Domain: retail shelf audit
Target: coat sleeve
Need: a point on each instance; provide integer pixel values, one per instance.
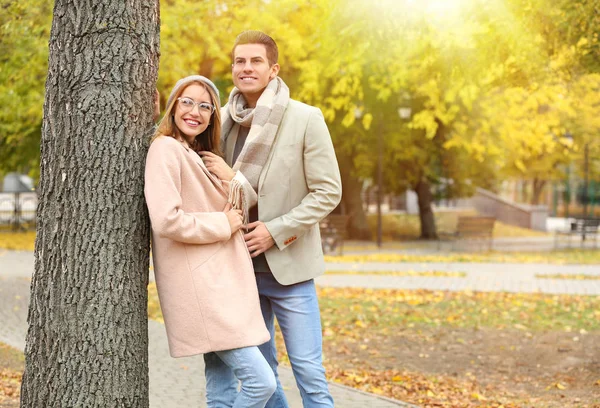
(162, 189)
(324, 183)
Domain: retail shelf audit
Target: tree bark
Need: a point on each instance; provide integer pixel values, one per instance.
(424, 196)
(538, 187)
(87, 342)
(358, 227)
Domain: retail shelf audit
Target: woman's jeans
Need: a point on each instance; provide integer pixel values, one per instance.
(223, 369)
(297, 311)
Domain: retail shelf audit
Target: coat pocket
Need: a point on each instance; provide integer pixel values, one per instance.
(227, 274)
(198, 255)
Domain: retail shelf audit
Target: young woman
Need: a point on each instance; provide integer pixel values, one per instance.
(203, 270)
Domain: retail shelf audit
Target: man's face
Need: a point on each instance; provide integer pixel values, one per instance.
(251, 70)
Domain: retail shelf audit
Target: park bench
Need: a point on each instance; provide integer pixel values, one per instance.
(472, 228)
(586, 228)
(333, 230)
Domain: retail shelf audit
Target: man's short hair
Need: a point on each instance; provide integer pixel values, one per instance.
(258, 37)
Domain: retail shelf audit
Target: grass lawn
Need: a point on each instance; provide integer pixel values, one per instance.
(399, 227)
(460, 349)
(11, 369)
(465, 349)
(18, 241)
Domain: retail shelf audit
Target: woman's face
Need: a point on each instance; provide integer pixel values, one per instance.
(193, 111)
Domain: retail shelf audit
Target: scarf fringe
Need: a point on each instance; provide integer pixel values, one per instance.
(237, 199)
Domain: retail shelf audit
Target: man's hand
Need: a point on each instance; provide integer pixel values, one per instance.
(259, 240)
(217, 166)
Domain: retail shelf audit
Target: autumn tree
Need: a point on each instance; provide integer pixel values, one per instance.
(87, 339)
(24, 32)
(539, 110)
(489, 85)
(493, 86)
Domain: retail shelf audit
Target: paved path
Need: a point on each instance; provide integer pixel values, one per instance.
(481, 277)
(502, 244)
(484, 277)
(172, 381)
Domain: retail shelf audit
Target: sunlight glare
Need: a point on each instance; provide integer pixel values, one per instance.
(443, 6)
(436, 8)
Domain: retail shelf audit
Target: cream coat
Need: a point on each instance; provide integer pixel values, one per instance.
(204, 275)
(299, 186)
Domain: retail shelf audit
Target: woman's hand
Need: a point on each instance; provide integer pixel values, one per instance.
(234, 217)
(217, 166)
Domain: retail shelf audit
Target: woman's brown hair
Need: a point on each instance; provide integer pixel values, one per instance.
(210, 139)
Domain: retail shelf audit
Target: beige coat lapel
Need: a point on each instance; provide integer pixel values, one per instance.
(215, 180)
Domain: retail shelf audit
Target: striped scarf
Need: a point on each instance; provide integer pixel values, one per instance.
(264, 120)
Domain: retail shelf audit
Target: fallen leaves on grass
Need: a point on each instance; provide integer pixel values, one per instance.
(10, 385)
(383, 309)
(17, 241)
(354, 319)
(416, 388)
(436, 274)
(557, 385)
(11, 370)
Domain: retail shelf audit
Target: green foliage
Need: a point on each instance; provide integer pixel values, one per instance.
(24, 33)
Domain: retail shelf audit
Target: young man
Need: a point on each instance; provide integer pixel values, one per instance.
(284, 150)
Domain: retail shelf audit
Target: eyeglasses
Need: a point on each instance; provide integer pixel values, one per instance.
(187, 104)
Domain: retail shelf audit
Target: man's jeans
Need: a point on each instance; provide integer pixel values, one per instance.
(297, 311)
(250, 367)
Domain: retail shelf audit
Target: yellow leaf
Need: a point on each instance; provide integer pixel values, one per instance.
(430, 393)
(557, 386)
(582, 42)
(376, 390)
(366, 121)
(478, 396)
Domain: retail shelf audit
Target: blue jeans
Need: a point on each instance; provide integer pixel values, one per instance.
(223, 369)
(297, 311)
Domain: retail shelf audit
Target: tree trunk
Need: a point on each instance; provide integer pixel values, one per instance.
(206, 67)
(428, 229)
(87, 343)
(358, 227)
(538, 188)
